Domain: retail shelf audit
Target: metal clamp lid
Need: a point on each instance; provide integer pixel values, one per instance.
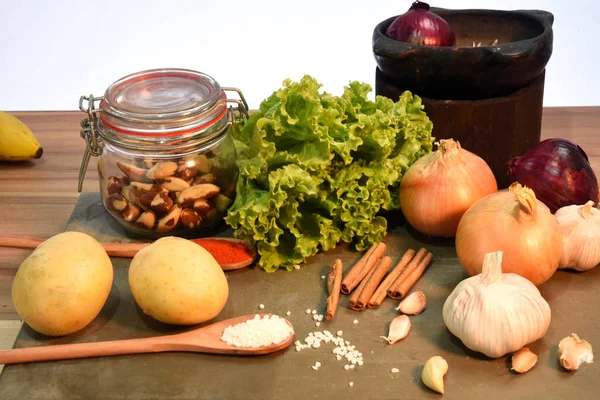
(88, 132)
(159, 106)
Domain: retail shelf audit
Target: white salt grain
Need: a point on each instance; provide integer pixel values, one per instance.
(317, 323)
(307, 311)
(339, 333)
(288, 313)
(395, 370)
(261, 306)
(314, 312)
(296, 266)
(322, 276)
(258, 332)
(355, 321)
(342, 350)
(350, 384)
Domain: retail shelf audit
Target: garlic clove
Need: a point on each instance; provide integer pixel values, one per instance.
(523, 360)
(572, 352)
(399, 328)
(413, 304)
(433, 373)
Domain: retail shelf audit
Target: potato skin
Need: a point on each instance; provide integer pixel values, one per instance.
(62, 286)
(178, 282)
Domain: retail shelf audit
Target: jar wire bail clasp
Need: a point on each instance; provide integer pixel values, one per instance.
(241, 104)
(89, 129)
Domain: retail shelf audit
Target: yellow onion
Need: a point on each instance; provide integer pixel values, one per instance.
(520, 226)
(439, 187)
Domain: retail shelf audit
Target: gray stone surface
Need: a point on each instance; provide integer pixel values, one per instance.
(288, 374)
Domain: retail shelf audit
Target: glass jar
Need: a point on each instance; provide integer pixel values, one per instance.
(166, 161)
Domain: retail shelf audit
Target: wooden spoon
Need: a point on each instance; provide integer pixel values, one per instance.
(126, 250)
(201, 340)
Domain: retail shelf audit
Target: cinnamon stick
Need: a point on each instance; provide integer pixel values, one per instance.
(353, 300)
(382, 268)
(404, 286)
(381, 292)
(362, 267)
(412, 265)
(334, 283)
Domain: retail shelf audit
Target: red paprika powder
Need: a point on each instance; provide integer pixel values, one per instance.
(225, 252)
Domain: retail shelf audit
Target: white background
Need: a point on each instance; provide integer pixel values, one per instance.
(52, 52)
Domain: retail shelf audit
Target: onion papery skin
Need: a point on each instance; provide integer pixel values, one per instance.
(531, 244)
(421, 27)
(559, 173)
(439, 187)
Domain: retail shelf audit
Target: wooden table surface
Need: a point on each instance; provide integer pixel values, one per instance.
(38, 197)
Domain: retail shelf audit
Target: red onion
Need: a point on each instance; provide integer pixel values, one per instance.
(420, 26)
(559, 173)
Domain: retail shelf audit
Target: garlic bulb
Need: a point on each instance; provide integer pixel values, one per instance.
(580, 226)
(495, 313)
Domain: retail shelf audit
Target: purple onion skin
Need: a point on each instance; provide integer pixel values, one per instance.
(422, 27)
(559, 173)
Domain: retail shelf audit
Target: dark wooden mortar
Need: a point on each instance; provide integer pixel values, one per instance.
(490, 97)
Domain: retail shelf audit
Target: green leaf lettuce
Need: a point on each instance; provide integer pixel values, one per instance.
(316, 169)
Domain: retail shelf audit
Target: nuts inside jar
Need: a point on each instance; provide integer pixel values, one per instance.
(162, 195)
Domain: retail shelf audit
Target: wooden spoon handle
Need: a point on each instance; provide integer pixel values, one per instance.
(127, 250)
(83, 350)
(23, 242)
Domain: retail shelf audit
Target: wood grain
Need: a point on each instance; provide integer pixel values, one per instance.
(38, 197)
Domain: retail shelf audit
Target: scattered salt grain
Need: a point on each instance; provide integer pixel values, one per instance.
(315, 317)
(307, 311)
(258, 332)
(342, 350)
(296, 266)
(288, 313)
(339, 333)
(261, 306)
(394, 370)
(317, 323)
(322, 276)
(355, 321)
(350, 384)
(313, 312)
(346, 367)
(320, 317)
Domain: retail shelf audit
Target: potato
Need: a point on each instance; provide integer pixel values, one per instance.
(176, 281)
(62, 286)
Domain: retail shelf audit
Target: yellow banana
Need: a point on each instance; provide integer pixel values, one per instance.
(17, 142)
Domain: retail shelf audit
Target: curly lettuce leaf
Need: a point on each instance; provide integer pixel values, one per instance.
(316, 169)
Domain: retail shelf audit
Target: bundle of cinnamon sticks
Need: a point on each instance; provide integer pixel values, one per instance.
(372, 279)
